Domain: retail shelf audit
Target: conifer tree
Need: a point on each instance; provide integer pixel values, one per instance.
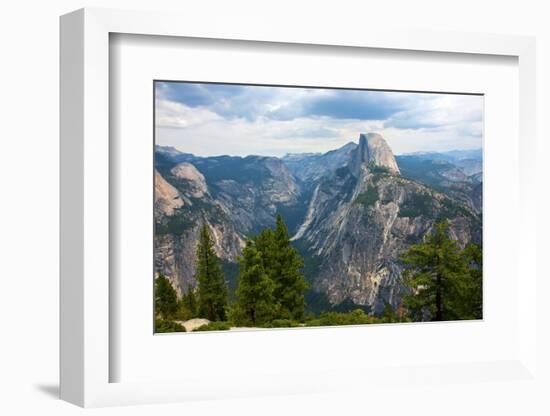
(166, 298)
(389, 313)
(254, 304)
(189, 301)
(212, 292)
(474, 260)
(438, 277)
(285, 271)
(265, 244)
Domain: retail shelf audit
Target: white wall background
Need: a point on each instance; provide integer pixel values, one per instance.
(29, 207)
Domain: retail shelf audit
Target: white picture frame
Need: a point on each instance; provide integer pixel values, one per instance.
(85, 211)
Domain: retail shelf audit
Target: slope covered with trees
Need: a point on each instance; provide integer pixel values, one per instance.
(444, 283)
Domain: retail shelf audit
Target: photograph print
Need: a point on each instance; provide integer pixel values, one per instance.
(295, 207)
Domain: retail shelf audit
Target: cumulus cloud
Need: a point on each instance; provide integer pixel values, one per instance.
(211, 119)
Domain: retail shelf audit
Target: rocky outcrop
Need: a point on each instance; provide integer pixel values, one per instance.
(181, 208)
(175, 253)
(372, 150)
(195, 180)
(167, 197)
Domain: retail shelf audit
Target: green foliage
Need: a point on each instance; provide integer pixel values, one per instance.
(166, 298)
(189, 300)
(356, 317)
(369, 197)
(162, 325)
(182, 313)
(284, 269)
(212, 289)
(389, 315)
(318, 302)
(214, 326)
(424, 204)
(440, 279)
(175, 224)
(450, 209)
(282, 323)
(418, 204)
(265, 244)
(271, 284)
(474, 259)
(379, 169)
(255, 303)
(188, 307)
(231, 272)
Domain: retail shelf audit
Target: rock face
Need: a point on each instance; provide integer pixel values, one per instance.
(187, 172)
(251, 190)
(358, 229)
(361, 219)
(167, 198)
(352, 211)
(310, 167)
(373, 151)
(181, 208)
(175, 253)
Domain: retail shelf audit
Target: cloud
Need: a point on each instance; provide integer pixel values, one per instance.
(342, 104)
(176, 115)
(210, 119)
(438, 110)
(282, 103)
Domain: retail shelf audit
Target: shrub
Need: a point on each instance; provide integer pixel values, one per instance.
(368, 198)
(356, 317)
(176, 224)
(162, 325)
(379, 169)
(214, 326)
(282, 323)
(166, 298)
(418, 204)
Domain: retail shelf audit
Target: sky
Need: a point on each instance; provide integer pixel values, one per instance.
(240, 120)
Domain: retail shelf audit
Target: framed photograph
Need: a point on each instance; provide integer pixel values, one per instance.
(274, 210)
(334, 204)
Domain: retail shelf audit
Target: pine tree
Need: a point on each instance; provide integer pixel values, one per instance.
(212, 292)
(254, 304)
(189, 301)
(438, 277)
(388, 314)
(265, 244)
(474, 259)
(285, 270)
(166, 298)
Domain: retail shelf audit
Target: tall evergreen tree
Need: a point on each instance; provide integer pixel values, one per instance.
(285, 270)
(166, 298)
(189, 301)
(389, 315)
(474, 259)
(254, 304)
(438, 276)
(265, 244)
(212, 293)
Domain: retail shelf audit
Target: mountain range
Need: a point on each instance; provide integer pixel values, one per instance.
(352, 212)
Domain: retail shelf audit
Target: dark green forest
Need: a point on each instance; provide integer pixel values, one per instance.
(443, 281)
